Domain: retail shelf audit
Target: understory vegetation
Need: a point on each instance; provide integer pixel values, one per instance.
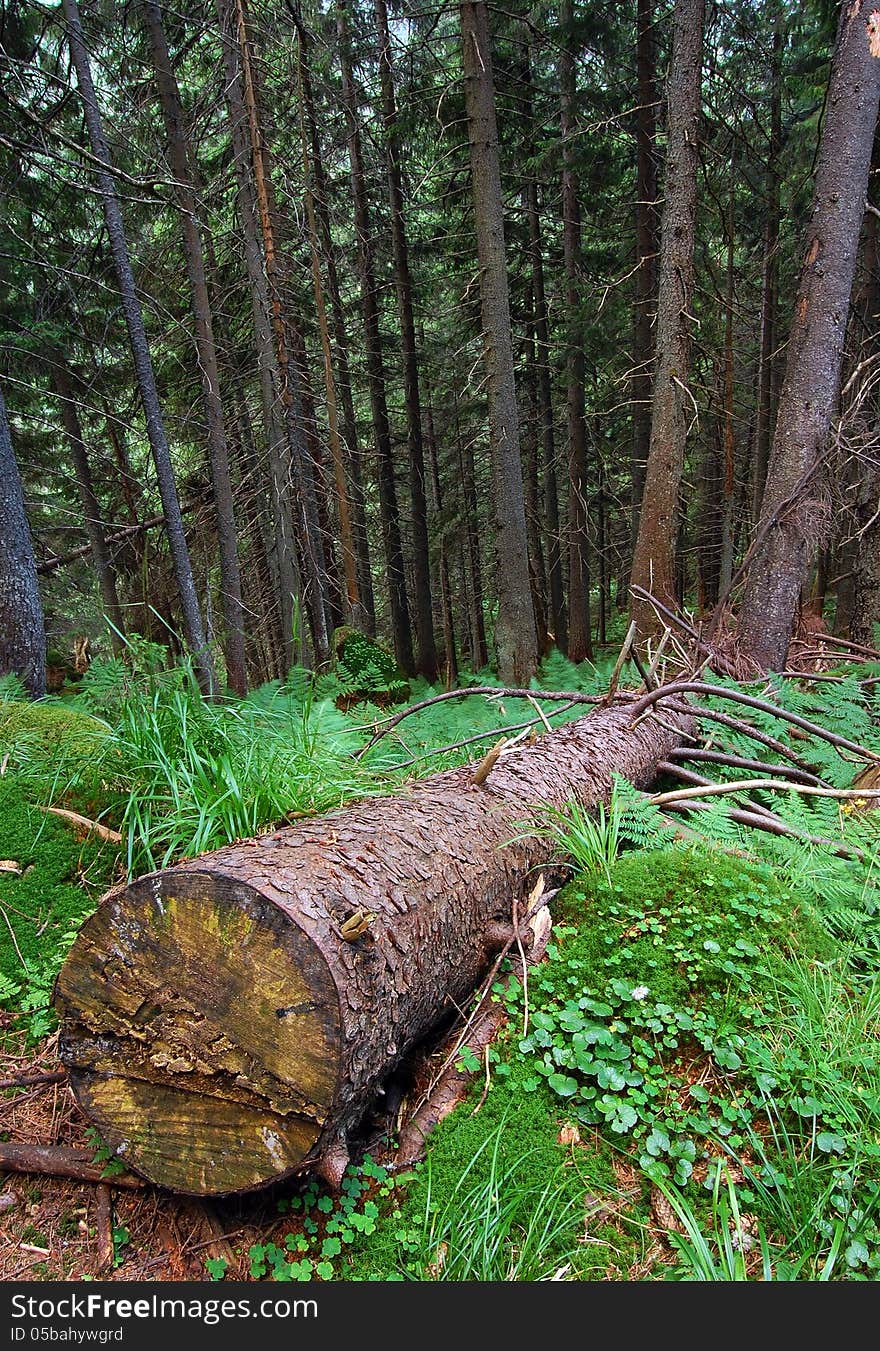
(687, 1088)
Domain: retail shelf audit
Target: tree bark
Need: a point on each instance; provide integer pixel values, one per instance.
(426, 651)
(355, 614)
(471, 548)
(580, 642)
(185, 185)
(219, 1028)
(646, 260)
(672, 410)
(90, 506)
(450, 657)
(515, 638)
(340, 338)
(558, 619)
(313, 565)
(277, 440)
(791, 522)
(193, 623)
(22, 635)
(769, 283)
(388, 507)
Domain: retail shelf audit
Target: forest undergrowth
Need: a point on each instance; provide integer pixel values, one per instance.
(687, 1088)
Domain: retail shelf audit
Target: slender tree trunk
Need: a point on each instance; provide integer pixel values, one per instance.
(791, 522)
(193, 624)
(450, 662)
(426, 651)
(388, 507)
(728, 492)
(646, 251)
(515, 638)
(22, 635)
(472, 571)
(258, 578)
(580, 642)
(354, 613)
(314, 566)
(90, 506)
(529, 435)
(218, 451)
(558, 619)
(281, 473)
(769, 283)
(672, 411)
(354, 467)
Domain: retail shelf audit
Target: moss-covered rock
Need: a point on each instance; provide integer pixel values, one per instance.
(367, 670)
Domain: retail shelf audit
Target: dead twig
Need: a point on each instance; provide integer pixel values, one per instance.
(103, 1228)
(26, 1080)
(85, 823)
(767, 785)
(749, 700)
(383, 726)
(59, 1161)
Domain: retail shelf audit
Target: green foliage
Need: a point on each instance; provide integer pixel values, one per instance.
(327, 1225)
(595, 839)
(42, 907)
(497, 1199)
(198, 775)
(366, 669)
(58, 751)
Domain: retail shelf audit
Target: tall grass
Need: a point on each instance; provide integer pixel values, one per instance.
(198, 775)
(498, 1224)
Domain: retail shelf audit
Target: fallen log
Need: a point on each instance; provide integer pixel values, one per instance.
(227, 1021)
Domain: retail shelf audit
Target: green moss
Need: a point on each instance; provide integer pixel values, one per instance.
(61, 878)
(513, 1136)
(667, 914)
(58, 750)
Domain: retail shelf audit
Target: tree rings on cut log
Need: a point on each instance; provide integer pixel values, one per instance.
(202, 1030)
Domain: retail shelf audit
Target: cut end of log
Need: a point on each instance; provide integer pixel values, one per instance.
(201, 1030)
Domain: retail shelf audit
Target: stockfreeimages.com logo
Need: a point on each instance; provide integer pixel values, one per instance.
(96, 1306)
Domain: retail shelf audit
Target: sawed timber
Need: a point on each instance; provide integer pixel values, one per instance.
(219, 1029)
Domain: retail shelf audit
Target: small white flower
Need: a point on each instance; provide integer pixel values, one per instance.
(640, 991)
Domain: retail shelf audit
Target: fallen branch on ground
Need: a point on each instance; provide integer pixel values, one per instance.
(750, 701)
(59, 1161)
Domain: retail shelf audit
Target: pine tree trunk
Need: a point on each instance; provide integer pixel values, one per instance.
(515, 638)
(672, 410)
(22, 635)
(580, 641)
(193, 623)
(221, 1030)
(277, 440)
(354, 614)
(388, 506)
(90, 506)
(471, 547)
(769, 283)
(354, 468)
(426, 651)
(792, 516)
(646, 261)
(558, 619)
(728, 487)
(180, 161)
(313, 564)
(450, 659)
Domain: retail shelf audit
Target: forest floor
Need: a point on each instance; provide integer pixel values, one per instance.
(687, 1088)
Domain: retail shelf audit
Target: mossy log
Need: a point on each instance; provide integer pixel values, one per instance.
(222, 1022)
